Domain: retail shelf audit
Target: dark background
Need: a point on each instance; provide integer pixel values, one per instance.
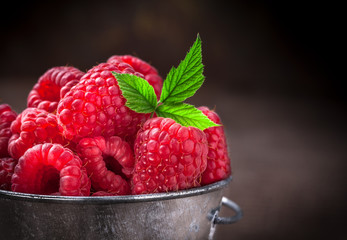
(272, 73)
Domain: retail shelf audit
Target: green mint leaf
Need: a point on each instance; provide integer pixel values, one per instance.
(138, 92)
(183, 82)
(185, 114)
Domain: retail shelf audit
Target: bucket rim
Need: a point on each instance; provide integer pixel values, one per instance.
(115, 199)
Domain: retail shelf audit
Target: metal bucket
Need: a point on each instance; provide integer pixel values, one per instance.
(189, 214)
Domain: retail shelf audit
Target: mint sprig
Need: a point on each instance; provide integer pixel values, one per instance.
(181, 83)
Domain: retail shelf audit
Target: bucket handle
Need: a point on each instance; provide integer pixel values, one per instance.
(213, 215)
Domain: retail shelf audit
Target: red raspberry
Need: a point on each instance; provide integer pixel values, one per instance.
(31, 127)
(56, 81)
(101, 193)
(96, 107)
(148, 71)
(7, 116)
(218, 161)
(48, 169)
(168, 157)
(7, 165)
(102, 158)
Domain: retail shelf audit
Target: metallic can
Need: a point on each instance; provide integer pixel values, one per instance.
(188, 214)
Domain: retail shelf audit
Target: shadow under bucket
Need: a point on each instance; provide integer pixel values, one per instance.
(188, 214)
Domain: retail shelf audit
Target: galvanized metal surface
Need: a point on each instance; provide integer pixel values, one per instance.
(177, 215)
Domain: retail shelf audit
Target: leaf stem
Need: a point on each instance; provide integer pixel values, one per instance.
(155, 109)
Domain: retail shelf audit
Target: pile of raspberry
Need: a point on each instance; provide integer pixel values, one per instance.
(78, 138)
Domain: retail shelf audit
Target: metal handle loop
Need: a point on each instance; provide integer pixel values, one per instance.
(229, 220)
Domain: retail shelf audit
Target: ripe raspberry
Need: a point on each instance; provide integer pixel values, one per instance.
(47, 92)
(102, 158)
(48, 169)
(168, 157)
(7, 165)
(148, 71)
(31, 127)
(218, 161)
(101, 193)
(96, 107)
(7, 116)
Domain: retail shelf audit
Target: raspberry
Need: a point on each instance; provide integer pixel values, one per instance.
(7, 116)
(50, 169)
(168, 157)
(119, 150)
(102, 158)
(51, 85)
(148, 71)
(96, 107)
(101, 193)
(7, 165)
(31, 127)
(218, 161)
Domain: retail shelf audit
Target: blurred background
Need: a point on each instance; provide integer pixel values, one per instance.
(272, 74)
